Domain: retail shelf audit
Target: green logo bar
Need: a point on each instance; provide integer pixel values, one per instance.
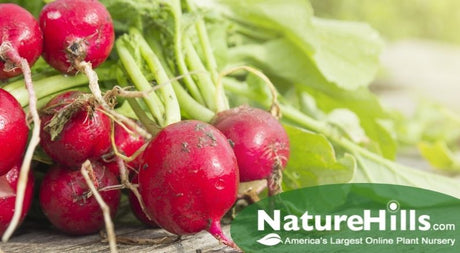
(351, 218)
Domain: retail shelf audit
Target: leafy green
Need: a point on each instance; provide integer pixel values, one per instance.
(435, 131)
(313, 161)
(440, 156)
(33, 7)
(374, 170)
(338, 49)
(348, 123)
(396, 19)
(434, 122)
(331, 45)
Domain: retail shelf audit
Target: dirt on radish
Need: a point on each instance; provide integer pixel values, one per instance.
(189, 178)
(74, 129)
(67, 203)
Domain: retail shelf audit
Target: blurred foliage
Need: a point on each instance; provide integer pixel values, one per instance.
(398, 19)
(34, 6)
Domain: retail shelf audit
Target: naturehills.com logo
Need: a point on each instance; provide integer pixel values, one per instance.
(350, 218)
(382, 220)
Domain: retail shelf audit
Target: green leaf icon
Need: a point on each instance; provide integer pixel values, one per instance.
(271, 239)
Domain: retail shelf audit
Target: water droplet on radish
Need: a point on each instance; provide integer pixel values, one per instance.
(220, 184)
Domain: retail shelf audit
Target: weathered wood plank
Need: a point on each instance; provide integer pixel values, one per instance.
(33, 239)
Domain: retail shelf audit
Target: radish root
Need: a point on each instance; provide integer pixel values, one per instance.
(117, 152)
(215, 230)
(125, 182)
(121, 159)
(93, 80)
(275, 179)
(123, 121)
(85, 169)
(12, 56)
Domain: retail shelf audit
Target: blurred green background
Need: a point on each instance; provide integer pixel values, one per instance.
(399, 19)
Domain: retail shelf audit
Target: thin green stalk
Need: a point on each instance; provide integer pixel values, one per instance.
(188, 105)
(300, 118)
(19, 84)
(209, 59)
(152, 101)
(205, 43)
(149, 125)
(46, 86)
(205, 83)
(191, 107)
(172, 110)
(183, 70)
(203, 37)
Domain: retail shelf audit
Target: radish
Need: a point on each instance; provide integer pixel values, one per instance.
(74, 129)
(189, 179)
(8, 185)
(66, 201)
(20, 37)
(21, 43)
(260, 143)
(13, 132)
(136, 207)
(78, 36)
(76, 31)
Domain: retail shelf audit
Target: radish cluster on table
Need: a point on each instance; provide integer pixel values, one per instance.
(187, 172)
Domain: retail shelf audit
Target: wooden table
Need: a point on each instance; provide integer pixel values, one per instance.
(32, 239)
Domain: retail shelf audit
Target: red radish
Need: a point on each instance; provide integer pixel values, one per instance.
(21, 44)
(78, 36)
(260, 143)
(13, 131)
(20, 36)
(189, 179)
(127, 144)
(8, 184)
(76, 31)
(136, 207)
(74, 129)
(64, 199)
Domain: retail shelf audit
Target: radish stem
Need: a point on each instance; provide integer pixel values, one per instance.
(189, 82)
(205, 83)
(154, 104)
(172, 110)
(46, 86)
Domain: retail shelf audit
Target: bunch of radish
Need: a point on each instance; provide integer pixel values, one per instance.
(187, 174)
(74, 35)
